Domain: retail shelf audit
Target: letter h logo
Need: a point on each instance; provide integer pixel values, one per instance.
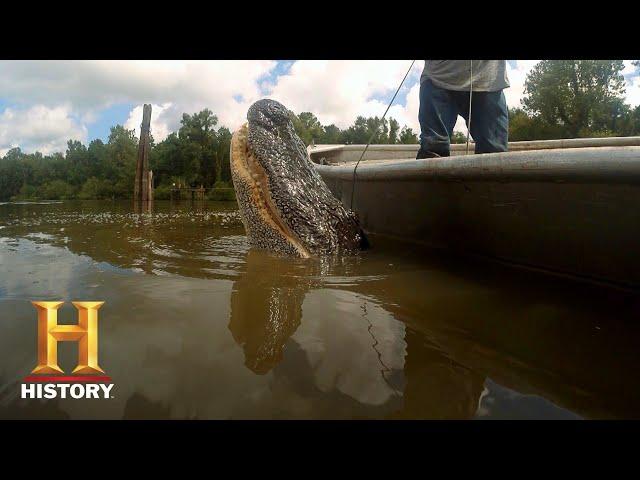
(85, 333)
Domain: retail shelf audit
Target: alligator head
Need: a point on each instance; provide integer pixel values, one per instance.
(284, 204)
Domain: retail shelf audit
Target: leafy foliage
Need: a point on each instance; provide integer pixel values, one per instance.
(309, 129)
(198, 154)
(583, 97)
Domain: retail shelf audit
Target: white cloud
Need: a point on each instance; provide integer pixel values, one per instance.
(39, 128)
(408, 114)
(632, 83)
(159, 123)
(90, 86)
(629, 68)
(338, 91)
(633, 91)
(517, 77)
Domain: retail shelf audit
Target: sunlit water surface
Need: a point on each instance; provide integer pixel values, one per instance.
(197, 325)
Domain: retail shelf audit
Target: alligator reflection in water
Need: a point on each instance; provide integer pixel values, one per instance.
(266, 308)
(267, 305)
(266, 319)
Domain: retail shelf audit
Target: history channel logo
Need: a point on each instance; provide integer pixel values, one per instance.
(47, 380)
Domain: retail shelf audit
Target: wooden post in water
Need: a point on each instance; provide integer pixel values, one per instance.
(143, 188)
(150, 186)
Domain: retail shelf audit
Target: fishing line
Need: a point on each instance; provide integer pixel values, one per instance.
(470, 97)
(353, 181)
(385, 369)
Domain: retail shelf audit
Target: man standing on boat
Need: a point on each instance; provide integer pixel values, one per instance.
(445, 89)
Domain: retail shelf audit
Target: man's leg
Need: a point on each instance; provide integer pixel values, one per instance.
(437, 116)
(489, 121)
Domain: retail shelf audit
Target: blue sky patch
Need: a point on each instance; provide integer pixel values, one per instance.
(114, 115)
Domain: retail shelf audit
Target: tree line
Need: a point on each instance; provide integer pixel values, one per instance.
(197, 154)
(574, 99)
(562, 99)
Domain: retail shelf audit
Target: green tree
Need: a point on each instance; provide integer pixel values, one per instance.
(584, 96)
(458, 137)
(332, 135)
(308, 127)
(222, 158)
(364, 129)
(394, 130)
(77, 162)
(407, 136)
(56, 190)
(96, 188)
(525, 127)
(28, 192)
(358, 132)
(198, 144)
(165, 159)
(198, 154)
(97, 154)
(630, 124)
(12, 173)
(120, 159)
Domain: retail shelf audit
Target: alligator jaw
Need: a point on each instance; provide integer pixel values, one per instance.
(257, 208)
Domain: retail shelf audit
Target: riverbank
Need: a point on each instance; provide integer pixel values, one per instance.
(94, 190)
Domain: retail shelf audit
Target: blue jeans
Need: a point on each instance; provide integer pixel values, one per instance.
(439, 110)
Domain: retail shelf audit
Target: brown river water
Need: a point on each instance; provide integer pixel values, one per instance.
(196, 325)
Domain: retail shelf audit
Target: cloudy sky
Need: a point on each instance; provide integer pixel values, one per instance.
(45, 103)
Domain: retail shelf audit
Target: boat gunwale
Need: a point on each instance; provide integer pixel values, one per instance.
(588, 164)
(563, 143)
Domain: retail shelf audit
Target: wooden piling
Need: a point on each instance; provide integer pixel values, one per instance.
(143, 187)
